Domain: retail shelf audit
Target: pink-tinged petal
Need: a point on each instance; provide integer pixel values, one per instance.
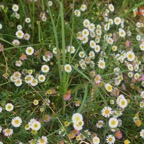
(142, 78)
(128, 43)
(118, 134)
(67, 97)
(114, 37)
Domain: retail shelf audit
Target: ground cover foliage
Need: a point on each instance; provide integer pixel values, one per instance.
(71, 72)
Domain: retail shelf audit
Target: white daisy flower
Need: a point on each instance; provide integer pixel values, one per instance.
(114, 48)
(27, 20)
(96, 140)
(68, 68)
(91, 27)
(35, 125)
(136, 76)
(87, 60)
(71, 49)
(16, 122)
(85, 32)
(142, 94)
(34, 82)
(16, 42)
(81, 54)
(113, 122)
(138, 37)
(50, 3)
(8, 132)
(78, 125)
(83, 7)
(108, 87)
(92, 44)
(26, 36)
(101, 64)
(0, 111)
(28, 78)
(46, 58)
(100, 123)
(18, 82)
(15, 7)
(129, 33)
(41, 78)
(136, 67)
(121, 96)
(98, 32)
(130, 56)
(97, 40)
(123, 103)
(20, 34)
(97, 48)
(110, 41)
(122, 33)
(1, 26)
(142, 47)
(138, 24)
(16, 75)
(19, 27)
(17, 15)
(117, 20)
(142, 133)
(130, 74)
(84, 39)
(142, 104)
(77, 117)
(77, 13)
(107, 27)
(42, 140)
(18, 63)
(55, 50)
(9, 107)
(91, 55)
(110, 139)
(31, 121)
(106, 111)
(45, 68)
(86, 23)
(98, 26)
(111, 7)
(130, 67)
(110, 21)
(27, 127)
(29, 50)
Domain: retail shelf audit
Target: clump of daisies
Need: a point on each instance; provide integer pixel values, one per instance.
(33, 124)
(28, 75)
(78, 122)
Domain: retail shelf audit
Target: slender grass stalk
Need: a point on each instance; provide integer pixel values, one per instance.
(23, 46)
(57, 43)
(64, 83)
(43, 6)
(84, 98)
(33, 19)
(39, 31)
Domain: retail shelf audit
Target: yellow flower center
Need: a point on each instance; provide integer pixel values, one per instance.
(107, 111)
(8, 131)
(110, 139)
(16, 121)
